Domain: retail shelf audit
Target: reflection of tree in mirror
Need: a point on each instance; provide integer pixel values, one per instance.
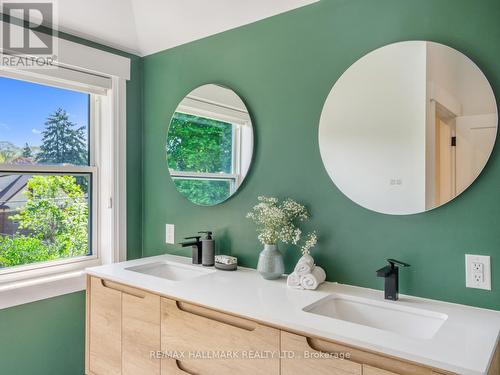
(204, 192)
(199, 144)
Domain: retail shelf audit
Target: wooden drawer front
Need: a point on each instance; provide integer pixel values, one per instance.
(140, 333)
(495, 362)
(300, 357)
(369, 370)
(104, 329)
(370, 361)
(170, 366)
(240, 344)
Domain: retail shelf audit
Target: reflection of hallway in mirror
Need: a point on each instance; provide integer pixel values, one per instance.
(408, 127)
(445, 185)
(462, 148)
(461, 124)
(475, 139)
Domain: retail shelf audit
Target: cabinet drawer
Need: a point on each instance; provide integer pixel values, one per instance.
(358, 359)
(170, 366)
(369, 370)
(301, 357)
(215, 343)
(495, 362)
(123, 328)
(140, 332)
(104, 329)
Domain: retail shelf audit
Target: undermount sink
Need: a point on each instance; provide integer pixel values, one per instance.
(403, 320)
(170, 271)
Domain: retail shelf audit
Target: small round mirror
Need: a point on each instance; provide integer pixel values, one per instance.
(408, 127)
(209, 145)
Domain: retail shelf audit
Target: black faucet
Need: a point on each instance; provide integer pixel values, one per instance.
(196, 245)
(391, 275)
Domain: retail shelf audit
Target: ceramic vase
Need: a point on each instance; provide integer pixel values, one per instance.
(271, 265)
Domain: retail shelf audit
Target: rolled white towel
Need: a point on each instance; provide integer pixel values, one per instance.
(307, 258)
(313, 279)
(293, 281)
(304, 266)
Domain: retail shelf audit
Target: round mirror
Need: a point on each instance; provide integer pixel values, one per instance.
(209, 144)
(408, 127)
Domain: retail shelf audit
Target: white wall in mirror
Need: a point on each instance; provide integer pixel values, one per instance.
(387, 125)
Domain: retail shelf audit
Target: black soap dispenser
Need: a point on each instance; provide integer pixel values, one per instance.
(207, 249)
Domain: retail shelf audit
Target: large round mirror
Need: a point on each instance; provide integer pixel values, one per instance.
(408, 127)
(209, 144)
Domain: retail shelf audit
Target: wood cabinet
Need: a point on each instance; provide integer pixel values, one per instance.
(123, 328)
(495, 363)
(327, 357)
(126, 325)
(140, 333)
(170, 366)
(218, 343)
(104, 328)
(369, 370)
(300, 357)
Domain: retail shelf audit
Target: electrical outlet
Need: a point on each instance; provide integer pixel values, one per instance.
(477, 267)
(477, 271)
(170, 234)
(478, 278)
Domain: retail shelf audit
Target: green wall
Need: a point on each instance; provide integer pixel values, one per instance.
(48, 337)
(284, 67)
(44, 338)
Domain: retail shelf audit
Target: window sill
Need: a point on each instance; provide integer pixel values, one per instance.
(39, 288)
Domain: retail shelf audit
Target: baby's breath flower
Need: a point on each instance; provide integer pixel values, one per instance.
(276, 221)
(309, 243)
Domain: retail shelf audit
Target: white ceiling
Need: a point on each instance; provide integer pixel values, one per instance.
(144, 27)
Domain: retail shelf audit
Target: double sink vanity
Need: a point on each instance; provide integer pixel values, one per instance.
(398, 137)
(162, 315)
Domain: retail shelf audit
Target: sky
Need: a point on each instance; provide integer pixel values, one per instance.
(25, 106)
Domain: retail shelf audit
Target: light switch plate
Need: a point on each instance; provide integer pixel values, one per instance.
(170, 234)
(477, 271)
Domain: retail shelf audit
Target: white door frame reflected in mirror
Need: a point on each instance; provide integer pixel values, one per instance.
(408, 127)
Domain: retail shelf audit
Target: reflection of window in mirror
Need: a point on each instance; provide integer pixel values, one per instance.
(209, 145)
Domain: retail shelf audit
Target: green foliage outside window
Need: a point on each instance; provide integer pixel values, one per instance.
(62, 141)
(204, 192)
(52, 224)
(27, 153)
(24, 250)
(199, 144)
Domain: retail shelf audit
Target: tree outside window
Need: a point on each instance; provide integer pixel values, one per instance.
(43, 216)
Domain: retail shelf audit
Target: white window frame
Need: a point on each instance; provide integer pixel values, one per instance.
(97, 72)
(235, 176)
(21, 272)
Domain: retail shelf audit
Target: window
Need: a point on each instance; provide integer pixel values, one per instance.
(201, 157)
(47, 174)
(63, 207)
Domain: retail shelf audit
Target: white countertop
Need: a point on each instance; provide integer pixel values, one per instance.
(464, 344)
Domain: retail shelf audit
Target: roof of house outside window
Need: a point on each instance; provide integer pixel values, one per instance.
(10, 186)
